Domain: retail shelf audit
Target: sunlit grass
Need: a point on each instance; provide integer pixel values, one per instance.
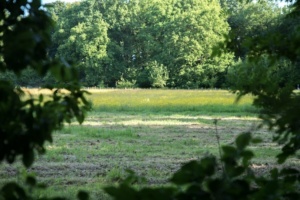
(204, 101)
(208, 102)
(140, 97)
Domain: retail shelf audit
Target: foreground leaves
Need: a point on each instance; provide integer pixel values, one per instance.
(232, 178)
(27, 122)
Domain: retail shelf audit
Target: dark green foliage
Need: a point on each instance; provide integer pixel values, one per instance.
(206, 179)
(248, 20)
(127, 192)
(27, 122)
(13, 191)
(271, 73)
(32, 31)
(194, 172)
(83, 195)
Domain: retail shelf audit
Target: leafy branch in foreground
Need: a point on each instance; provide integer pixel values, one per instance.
(203, 180)
(28, 122)
(271, 73)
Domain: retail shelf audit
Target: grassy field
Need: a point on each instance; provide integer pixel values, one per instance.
(152, 132)
(206, 102)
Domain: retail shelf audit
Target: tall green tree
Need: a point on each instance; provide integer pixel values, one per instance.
(192, 30)
(124, 48)
(82, 37)
(177, 34)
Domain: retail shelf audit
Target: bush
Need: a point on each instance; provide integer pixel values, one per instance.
(153, 75)
(125, 83)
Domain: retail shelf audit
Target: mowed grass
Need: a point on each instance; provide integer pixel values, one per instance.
(152, 132)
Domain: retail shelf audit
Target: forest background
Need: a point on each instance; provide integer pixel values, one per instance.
(154, 44)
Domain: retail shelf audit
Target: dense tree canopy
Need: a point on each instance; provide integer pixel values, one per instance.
(80, 36)
(143, 43)
(128, 36)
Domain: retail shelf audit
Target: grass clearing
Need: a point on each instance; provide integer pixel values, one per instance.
(170, 101)
(153, 138)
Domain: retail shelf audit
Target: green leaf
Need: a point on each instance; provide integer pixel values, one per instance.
(274, 173)
(82, 195)
(243, 140)
(13, 191)
(80, 118)
(216, 186)
(247, 155)
(229, 151)
(28, 158)
(236, 171)
(187, 174)
(239, 188)
(195, 171)
(156, 193)
(31, 181)
(194, 192)
(289, 171)
(281, 158)
(122, 192)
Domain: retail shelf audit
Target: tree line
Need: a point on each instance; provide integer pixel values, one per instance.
(140, 43)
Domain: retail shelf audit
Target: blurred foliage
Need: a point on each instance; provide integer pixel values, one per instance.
(271, 72)
(27, 123)
(231, 178)
(248, 20)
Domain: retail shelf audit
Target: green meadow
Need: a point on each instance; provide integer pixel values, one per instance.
(152, 132)
(195, 102)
